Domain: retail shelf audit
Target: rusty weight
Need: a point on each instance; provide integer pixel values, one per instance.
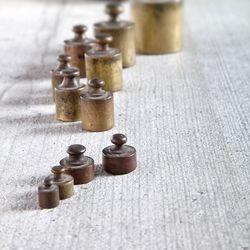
(119, 158)
(78, 165)
(77, 47)
(48, 194)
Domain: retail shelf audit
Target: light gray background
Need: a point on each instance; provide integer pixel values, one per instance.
(187, 114)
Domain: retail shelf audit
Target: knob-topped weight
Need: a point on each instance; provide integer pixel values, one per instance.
(119, 159)
(76, 149)
(114, 10)
(119, 139)
(103, 39)
(70, 72)
(63, 58)
(48, 182)
(96, 83)
(57, 170)
(80, 29)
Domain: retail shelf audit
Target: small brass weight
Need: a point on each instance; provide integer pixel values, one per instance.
(122, 32)
(158, 26)
(56, 76)
(64, 182)
(97, 108)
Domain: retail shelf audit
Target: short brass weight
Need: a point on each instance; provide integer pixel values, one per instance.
(67, 96)
(119, 158)
(56, 76)
(158, 28)
(64, 182)
(97, 107)
(105, 63)
(78, 165)
(77, 46)
(48, 194)
(122, 32)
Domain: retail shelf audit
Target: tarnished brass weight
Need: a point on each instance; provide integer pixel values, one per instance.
(48, 194)
(122, 32)
(79, 166)
(67, 96)
(158, 26)
(64, 182)
(118, 158)
(97, 108)
(105, 63)
(56, 76)
(77, 47)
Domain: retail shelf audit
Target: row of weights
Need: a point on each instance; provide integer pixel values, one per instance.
(77, 169)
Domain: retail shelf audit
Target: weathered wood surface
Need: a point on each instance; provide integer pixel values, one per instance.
(187, 114)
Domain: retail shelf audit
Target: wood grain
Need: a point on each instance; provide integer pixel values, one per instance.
(187, 114)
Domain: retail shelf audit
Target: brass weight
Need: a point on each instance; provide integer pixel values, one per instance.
(67, 96)
(158, 26)
(64, 182)
(122, 32)
(105, 63)
(97, 108)
(56, 76)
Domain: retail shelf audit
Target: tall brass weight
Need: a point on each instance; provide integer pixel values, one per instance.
(105, 63)
(158, 26)
(122, 32)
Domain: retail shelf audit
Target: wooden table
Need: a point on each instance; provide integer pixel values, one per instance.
(187, 114)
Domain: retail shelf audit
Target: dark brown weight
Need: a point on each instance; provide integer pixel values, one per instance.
(79, 166)
(48, 194)
(77, 47)
(119, 158)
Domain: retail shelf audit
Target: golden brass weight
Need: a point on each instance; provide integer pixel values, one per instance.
(158, 26)
(97, 108)
(67, 96)
(105, 63)
(122, 32)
